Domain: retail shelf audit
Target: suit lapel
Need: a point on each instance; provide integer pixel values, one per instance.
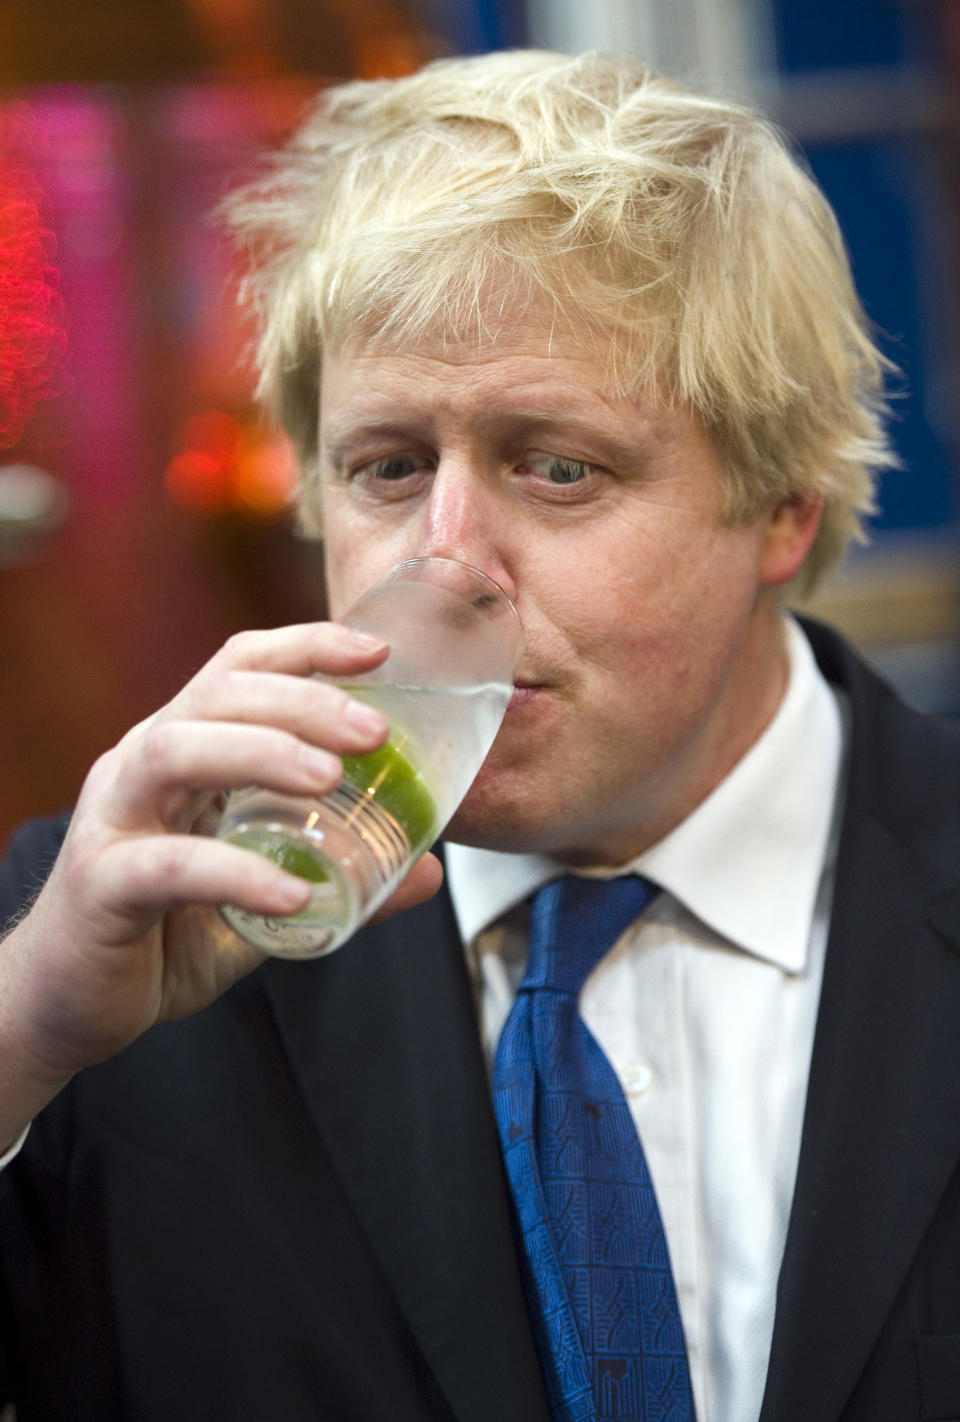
(383, 1038)
(881, 1131)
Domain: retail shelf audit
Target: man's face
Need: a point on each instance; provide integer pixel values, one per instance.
(653, 653)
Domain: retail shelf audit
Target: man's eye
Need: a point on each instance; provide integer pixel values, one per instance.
(395, 466)
(559, 470)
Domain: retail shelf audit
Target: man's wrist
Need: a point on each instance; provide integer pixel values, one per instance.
(26, 1085)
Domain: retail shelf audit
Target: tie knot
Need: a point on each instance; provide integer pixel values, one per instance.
(574, 922)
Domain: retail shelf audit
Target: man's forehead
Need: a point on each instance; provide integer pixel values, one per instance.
(524, 358)
(522, 375)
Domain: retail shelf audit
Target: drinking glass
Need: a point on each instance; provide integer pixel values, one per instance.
(455, 638)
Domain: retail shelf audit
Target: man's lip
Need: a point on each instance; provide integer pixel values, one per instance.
(524, 691)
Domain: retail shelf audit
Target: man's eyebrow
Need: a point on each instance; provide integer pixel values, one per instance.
(337, 437)
(554, 417)
(559, 424)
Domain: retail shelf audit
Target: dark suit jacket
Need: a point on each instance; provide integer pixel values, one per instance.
(292, 1206)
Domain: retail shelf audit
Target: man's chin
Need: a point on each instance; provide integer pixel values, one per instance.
(485, 826)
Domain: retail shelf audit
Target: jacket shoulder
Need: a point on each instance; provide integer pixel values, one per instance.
(904, 764)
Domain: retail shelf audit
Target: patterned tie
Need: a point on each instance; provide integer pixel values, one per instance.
(593, 1250)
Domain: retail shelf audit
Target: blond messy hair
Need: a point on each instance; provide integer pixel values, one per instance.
(674, 231)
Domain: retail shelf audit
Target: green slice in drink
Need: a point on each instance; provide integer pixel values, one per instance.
(284, 852)
(387, 776)
(349, 848)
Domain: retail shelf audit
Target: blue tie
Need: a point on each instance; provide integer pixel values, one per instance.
(593, 1250)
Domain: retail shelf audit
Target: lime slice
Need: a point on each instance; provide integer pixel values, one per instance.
(285, 853)
(389, 776)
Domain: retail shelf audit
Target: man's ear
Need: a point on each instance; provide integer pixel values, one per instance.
(792, 529)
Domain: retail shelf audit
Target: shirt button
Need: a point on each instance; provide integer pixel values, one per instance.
(637, 1078)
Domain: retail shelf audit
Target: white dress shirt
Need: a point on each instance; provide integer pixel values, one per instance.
(13, 1151)
(706, 1009)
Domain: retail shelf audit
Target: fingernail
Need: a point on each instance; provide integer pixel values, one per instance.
(320, 764)
(366, 718)
(292, 894)
(368, 641)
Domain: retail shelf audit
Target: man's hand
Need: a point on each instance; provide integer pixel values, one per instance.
(126, 931)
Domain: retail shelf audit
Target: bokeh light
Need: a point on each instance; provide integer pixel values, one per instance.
(32, 321)
(225, 465)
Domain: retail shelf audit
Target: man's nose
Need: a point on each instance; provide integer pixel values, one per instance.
(465, 518)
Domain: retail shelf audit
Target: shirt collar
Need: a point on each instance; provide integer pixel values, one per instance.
(748, 860)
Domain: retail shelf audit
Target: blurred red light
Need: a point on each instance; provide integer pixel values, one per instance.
(196, 481)
(214, 433)
(226, 465)
(264, 477)
(32, 323)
